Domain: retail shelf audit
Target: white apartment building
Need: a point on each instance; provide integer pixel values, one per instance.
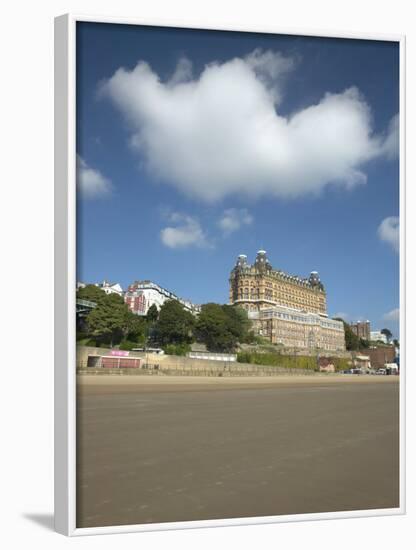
(377, 335)
(110, 288)
(141, 295)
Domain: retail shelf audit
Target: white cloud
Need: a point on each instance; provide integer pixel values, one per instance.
(389, 231)
(186, 232)
(391, 143)
(233, 218)
(220, 133)
(393, 315)
(90, 182)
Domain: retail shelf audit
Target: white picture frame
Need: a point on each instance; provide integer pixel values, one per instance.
(65, 282)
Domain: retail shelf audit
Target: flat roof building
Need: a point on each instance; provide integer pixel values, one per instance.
(378, 336)
(298, 329)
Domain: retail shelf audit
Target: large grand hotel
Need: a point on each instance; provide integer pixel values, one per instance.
(284, 308)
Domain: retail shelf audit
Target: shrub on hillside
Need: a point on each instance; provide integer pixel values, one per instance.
(126, 345)
(176, 349)
(277, 360)
(341, 363)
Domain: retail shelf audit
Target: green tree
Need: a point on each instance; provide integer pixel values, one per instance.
(136, 329)
(110, 320)
(92, 293)
(387, 333)
(175, 324)
(352, 342)
(152, 314)
(239, 323)
(221, 327)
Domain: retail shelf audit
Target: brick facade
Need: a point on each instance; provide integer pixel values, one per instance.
(381, 355)
(285, 309)
(361, 329)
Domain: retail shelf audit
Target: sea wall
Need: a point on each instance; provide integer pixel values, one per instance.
(178, 365)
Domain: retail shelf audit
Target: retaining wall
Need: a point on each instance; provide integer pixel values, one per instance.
(242, 371)
(182, 366)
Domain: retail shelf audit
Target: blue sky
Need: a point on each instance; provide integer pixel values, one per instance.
(196, 146)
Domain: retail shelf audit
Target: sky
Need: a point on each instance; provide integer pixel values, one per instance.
(196, 146)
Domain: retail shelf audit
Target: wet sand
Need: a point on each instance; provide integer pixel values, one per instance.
(156, 449)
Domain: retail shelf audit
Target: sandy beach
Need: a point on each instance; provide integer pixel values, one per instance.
(103, 383)
(154, 449)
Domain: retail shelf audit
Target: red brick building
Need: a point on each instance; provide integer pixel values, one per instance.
(361, 329)
(381, 355)
(136, 301)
